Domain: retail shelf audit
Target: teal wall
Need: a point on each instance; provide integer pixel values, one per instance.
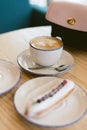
(16, 14)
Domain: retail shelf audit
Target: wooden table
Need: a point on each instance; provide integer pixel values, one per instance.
(11, 44)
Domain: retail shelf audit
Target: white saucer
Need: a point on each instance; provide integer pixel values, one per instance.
(9, 76)
(25, 61)
(68, 113)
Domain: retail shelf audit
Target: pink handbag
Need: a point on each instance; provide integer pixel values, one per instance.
(69, 21)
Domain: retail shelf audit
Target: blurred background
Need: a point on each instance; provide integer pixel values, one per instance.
(42, 3)
(17, 14)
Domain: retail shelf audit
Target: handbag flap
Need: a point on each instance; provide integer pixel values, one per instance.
(68, 14)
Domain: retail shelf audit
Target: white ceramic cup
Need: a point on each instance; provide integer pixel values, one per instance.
(46, 50)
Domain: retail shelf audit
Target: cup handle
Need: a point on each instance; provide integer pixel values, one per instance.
(59, 38)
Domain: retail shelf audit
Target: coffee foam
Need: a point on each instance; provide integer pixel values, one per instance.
(46, 43)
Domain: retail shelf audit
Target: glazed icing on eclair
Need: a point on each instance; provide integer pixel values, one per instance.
(52, 92)
(47, 102)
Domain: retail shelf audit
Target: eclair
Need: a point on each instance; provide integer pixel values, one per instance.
(49, 100)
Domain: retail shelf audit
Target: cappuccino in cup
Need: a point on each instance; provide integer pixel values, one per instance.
(46, 43)
(46, 50)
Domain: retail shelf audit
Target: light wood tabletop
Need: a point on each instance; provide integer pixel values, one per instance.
(11, 45)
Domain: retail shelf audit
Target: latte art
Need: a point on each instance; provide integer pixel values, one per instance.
(46, 43)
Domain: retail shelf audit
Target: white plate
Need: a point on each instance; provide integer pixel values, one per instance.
(9, 76)
(69, 112)
(25, 61)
